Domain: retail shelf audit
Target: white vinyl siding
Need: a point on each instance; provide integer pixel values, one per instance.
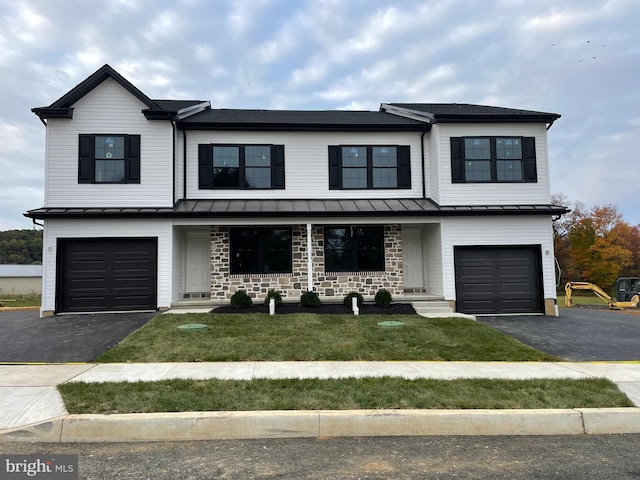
(109, 109)
(494, 193)
(433, 261)
(107, 229)
(435, 164)
(177, 257)
(496, 231)
(306, 160)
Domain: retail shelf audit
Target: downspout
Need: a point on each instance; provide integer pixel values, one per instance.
(424, 180)
(173, 128)
(184, 164)
(309, 260)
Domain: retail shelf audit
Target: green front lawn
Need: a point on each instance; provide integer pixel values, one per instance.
(255, 337)
(338, 394)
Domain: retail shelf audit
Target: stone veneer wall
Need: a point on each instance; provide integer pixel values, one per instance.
(291, 286)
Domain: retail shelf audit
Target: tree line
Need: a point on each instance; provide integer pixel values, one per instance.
(595, 245)
(21, 247)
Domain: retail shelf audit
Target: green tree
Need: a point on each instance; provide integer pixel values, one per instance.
(21, 247)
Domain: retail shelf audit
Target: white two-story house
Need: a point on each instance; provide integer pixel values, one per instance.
(149, 203)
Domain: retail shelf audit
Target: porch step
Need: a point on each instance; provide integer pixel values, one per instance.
(437, 308)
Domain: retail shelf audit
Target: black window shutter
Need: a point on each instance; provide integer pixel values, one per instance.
(404, 166)
(456, 160)
(334, 168)
(133, 158)
(205, 166)
(277, 166)
(529, 159)
(85, 158)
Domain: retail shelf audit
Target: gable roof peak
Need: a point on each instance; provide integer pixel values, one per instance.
(92, 81)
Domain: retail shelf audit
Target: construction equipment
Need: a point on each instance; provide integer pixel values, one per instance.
(627, 293)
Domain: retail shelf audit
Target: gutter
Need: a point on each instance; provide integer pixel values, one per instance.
(173, 128)
(184, 164)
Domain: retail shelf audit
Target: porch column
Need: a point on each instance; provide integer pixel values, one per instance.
(309, 260)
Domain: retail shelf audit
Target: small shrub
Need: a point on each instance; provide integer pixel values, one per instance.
(309, 299)
(273, 294)
(383, 298)
(348, 299)
(240, 299)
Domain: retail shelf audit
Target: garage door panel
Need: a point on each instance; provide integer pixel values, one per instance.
(510, 283)
(107, 274)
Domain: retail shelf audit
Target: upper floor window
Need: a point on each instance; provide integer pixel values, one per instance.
(260, 250)
(241, 166)
(354, 249)
(493, 159)
(369, 167)
(109, 159)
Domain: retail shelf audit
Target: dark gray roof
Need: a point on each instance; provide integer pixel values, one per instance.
(176, 105)
(452, 112)
(298, 208)
(156, 109)
(299, 120)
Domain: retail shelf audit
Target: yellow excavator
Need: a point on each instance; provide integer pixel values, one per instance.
(627, 295)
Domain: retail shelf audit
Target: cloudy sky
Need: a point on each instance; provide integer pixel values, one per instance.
(578, 58)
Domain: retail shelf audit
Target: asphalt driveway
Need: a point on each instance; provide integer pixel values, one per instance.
(578, 334)
(63, 338)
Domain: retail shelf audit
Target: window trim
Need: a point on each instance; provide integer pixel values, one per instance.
(355, 268)
(262, 253)
(206, 179)
(529, 167)
(403, 167)
(87, 158)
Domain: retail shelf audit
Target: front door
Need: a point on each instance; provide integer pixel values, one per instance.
(412, 261)
(198, 263)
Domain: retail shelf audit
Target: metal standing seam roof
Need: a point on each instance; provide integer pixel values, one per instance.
(300, 208)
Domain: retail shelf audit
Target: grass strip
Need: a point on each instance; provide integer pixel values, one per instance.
(339, 394)
(21, 300)
(255, 337)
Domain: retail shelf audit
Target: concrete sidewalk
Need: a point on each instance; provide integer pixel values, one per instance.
(32, 409)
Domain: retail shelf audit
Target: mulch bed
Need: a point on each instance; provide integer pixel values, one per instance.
(324, 308)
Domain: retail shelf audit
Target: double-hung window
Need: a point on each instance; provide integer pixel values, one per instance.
(241, 166)
(260, 250)
(369, 167)
(109, 159)
(493, 159)
(354, 248)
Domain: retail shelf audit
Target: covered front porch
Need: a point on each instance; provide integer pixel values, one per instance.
(403, 258)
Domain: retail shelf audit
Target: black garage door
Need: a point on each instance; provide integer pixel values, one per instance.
(492, 280)
(107, 274)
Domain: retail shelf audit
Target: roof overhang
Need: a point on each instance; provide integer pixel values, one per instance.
(297, 208)
(50, 112)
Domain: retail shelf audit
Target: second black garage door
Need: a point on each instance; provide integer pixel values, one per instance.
(107, 274)
(494, 280)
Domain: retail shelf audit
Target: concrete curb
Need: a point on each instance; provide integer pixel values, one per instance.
(148, 427)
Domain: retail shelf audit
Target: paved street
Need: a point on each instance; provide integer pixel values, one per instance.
(583, 457)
